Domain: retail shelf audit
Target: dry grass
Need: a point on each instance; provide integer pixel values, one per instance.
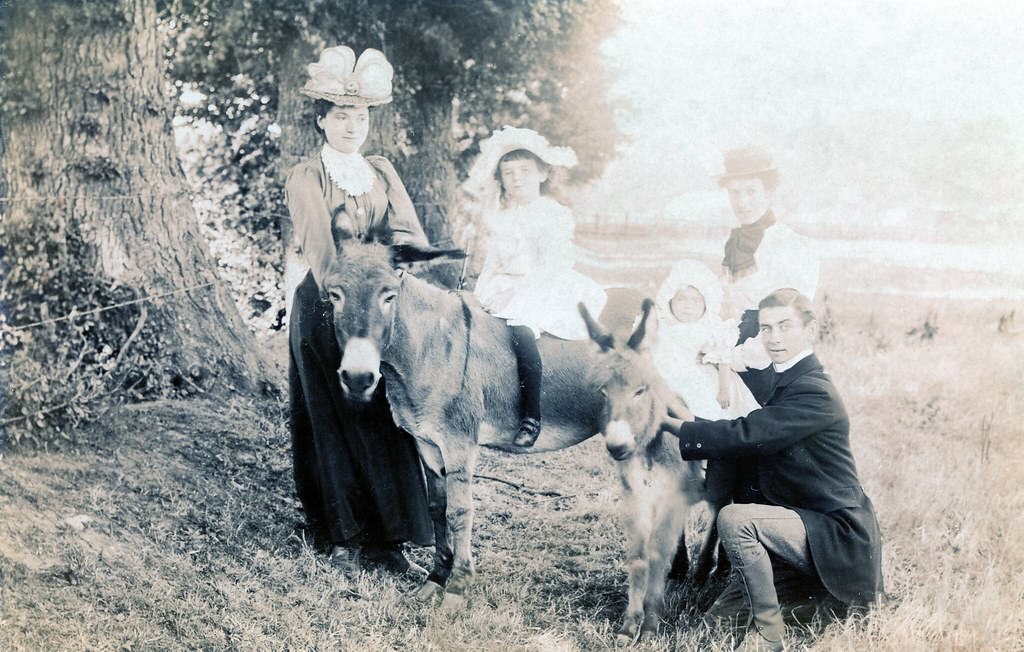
(191, 537)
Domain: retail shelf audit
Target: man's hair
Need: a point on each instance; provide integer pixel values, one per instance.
(788, 297)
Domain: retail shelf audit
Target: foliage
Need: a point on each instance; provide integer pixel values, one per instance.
(90, 187)
(462, 69)
(927, 330)
(71, 342)
(535, 61)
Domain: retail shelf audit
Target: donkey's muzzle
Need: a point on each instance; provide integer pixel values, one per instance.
(359, 371)
(618, 439)
(358, 385)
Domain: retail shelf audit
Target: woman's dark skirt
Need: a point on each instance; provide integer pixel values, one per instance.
(357, 474)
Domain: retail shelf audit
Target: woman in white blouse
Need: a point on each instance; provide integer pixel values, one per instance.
(761, 255)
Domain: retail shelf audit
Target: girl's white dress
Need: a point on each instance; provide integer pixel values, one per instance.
(527, 276)
(684, 352)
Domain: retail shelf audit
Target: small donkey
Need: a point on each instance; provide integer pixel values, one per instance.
(659, 487)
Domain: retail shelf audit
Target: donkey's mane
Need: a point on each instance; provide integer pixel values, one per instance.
(359, 256)
(612, 364)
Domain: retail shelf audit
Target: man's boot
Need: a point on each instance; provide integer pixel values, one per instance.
(766, 627)
(729, 616)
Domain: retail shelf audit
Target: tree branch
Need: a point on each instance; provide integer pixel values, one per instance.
(521, 487)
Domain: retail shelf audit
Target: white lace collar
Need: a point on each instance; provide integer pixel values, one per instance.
(349, 172)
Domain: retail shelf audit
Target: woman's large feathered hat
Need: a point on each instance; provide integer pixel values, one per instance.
(339, 78)
(481, 181)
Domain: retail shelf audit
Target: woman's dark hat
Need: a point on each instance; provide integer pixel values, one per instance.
(753, 161)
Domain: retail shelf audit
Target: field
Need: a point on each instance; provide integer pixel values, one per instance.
(173, 526)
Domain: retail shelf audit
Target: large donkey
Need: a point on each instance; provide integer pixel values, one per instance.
(659, 488)
(452, 383)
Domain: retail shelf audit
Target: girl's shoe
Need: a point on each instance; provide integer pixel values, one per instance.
(529, 430)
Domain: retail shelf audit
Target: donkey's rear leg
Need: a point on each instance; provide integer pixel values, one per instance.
(720, 478)
(680, 567)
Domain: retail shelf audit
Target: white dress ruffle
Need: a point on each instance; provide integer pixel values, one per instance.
(527, 276)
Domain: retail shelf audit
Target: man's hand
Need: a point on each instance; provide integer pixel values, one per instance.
(677, 409)
(671, 425)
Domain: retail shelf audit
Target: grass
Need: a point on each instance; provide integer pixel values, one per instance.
(173, 526)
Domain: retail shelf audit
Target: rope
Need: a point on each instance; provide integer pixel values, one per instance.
(40, 200)
(65, 199)
(74, 313)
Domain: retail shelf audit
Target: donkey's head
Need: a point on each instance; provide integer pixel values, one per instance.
(636, 397)
(363, 285)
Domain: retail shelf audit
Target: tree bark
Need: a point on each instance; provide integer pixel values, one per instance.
(431, 170)
(99, 207)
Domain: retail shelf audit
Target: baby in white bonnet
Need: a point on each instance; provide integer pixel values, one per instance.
(695, 349)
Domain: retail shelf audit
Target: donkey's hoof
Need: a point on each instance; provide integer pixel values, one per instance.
(627, 634)
(429, 591)
(651, 623)
(623, 640)
(452, 602)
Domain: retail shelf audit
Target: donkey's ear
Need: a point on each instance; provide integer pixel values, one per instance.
(342, 223)
(329, 275)
(603, 338)
(641, 329)
(413, 253)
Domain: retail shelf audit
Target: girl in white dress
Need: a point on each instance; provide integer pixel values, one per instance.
(527, 276)
(695, 350)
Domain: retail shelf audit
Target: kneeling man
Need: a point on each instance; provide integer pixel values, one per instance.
(798, 500)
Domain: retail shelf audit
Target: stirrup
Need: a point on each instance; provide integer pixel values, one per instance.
(529, 430)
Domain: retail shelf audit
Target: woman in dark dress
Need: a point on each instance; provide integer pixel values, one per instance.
(357, 474)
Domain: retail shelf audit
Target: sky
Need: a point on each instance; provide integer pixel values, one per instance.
(706, 76)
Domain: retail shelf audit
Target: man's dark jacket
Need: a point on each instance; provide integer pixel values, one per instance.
(796, 450)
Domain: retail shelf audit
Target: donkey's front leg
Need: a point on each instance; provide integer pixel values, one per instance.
(670, 517)
(638, 532)
(460, 461)
(437, 501)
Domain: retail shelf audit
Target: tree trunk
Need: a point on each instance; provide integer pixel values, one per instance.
(99, 214)
(431, 170)
(295, 115)
(430, 175)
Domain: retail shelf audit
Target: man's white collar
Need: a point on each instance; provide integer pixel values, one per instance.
(349, 172)
(789, 364)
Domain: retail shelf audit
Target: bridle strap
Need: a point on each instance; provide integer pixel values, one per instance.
(467, 317)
